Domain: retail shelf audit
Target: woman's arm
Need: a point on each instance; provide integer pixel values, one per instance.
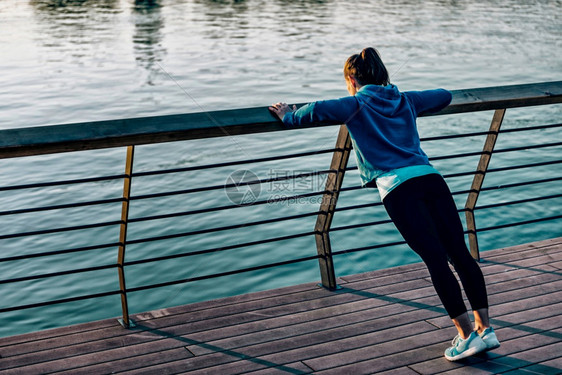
(429, 101)
(336, 111)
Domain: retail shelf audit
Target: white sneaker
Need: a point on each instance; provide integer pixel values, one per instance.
(463, 348)
(490, 339)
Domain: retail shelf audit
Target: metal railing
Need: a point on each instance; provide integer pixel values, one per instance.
(132, 132)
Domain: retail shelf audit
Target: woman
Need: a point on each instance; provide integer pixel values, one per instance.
(382, 123)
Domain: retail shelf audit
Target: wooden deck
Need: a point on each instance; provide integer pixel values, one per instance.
(382, 322)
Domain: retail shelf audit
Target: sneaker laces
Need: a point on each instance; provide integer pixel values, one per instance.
(455, 340)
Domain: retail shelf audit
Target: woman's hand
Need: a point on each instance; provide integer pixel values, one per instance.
(281, 109)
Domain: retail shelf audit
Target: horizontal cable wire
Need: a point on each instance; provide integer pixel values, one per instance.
(367, 224)
(525, 183)
(219, 249)
(280, 157)
(62, 206)
(528, 147)
(228, 186)
(455, 156)
(220, 208)
(453, 136)
(357, 249)
(521, 166)
(59, 301)
(60, 230)
(529, 128)
(59, 252)
(521, 201)
(65, 182)
(533, 221)
(376, 204)
(358, 206)
(248, 224)
(372, 223)
(232, 163)
(59, 273)
(478, 153)
(221, 274)
(220, 229)
(260, 222)
(120, 200)
(503, 130)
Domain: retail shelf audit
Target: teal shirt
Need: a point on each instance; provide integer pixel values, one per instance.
(388, 181)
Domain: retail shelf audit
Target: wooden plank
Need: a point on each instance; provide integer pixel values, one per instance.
(549, 367)
(113, 356)
(135, 131)
(483, 363)
(438, 365)
(518, 254)
(364, 327)
(335, 311)
(523, 344)
(501, 273)
(312, 333)
(248, 302)
(515, 316)
(206, 317)
(523, 293)
(184, 328)
(376, 354)
(209, 363)
(295, 368)
(536, 348)
(57, 333)
(399, 371)
(131, 362)
(37, 345)
(34, 337)
(180, 333)
(492, 98)
(147, 130)
(319, 298)
(426, 339)
(516, 283)
(291, 355)
(393, 362)
(384, 272)
(272, 294)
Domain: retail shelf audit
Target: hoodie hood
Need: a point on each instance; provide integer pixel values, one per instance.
(384, 99)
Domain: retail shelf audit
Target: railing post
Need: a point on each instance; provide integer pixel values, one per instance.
(125, 322)
(328, 206)
(479, 180)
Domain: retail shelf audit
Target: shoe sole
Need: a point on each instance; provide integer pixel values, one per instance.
(495, 346)
(467, 353)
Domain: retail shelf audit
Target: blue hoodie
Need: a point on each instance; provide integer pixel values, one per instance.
(382, 123)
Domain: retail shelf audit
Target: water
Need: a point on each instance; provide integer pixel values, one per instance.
(74, 61)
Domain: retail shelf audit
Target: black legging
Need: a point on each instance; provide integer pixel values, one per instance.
(424, 212)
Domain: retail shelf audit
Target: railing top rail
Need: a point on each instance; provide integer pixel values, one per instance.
(134, 131)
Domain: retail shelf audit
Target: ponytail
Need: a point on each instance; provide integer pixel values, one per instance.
(367, 68)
